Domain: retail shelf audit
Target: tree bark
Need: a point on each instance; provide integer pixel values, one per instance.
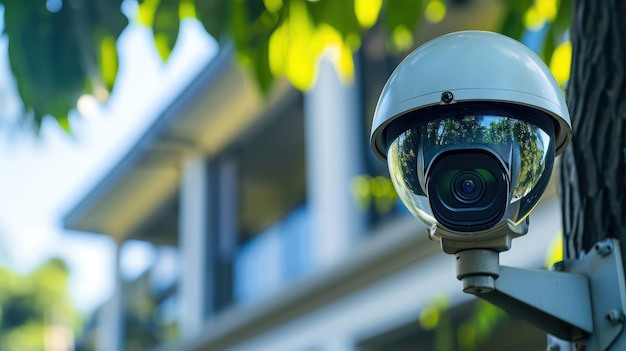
(593, 168)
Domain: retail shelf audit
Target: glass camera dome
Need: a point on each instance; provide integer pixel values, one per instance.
(471, 168)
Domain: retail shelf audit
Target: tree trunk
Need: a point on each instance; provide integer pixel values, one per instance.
(593, 168)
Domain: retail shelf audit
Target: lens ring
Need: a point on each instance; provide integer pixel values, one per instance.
(468, 186)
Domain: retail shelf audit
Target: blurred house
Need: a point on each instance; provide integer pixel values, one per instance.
(286, 237)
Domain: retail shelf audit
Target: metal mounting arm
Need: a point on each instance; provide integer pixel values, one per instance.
(583, 302)
(556, 302)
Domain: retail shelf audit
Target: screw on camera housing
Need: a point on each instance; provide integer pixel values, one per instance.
(447, 97)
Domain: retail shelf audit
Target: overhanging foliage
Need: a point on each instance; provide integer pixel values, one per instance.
(60, 49)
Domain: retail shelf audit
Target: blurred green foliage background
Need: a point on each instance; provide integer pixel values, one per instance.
(60, 50)
(35, 309)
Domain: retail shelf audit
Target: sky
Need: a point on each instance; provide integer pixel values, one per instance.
(42, 178)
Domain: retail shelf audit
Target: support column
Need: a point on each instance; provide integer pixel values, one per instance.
(110, 335)
(333, 127)
(194, 222)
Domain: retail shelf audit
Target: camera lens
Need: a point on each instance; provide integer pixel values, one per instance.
(468, 186)
(467, 190)
(461, 188)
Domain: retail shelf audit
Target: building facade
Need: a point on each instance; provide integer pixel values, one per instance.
(286, 231)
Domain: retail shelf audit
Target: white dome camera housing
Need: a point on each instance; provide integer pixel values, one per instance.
(469, 124)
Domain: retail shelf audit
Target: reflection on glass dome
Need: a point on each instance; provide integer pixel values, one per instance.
(524, 151)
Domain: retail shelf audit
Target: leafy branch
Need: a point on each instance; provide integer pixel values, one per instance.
(60, 52)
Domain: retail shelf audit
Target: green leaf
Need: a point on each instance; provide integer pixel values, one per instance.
(101, 25)
(402, 17)
(254, 9)
(557, 29)
(240, 26)
(261, 65)
(165, 27)
(367, 12)
(215, 16)
(108, 61)
(549, 44)
(107, 16)
(147, 9)
(54, 56)
(64, 123)
(563, 20)
(45, 59)
(513, 23)
(338, 14)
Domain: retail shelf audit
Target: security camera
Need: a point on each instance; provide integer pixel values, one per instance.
(469, 125)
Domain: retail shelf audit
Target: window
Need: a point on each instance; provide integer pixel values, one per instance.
(272, 230)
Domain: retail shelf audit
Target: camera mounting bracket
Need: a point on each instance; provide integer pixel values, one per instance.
(582, 301)
(496, 239)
